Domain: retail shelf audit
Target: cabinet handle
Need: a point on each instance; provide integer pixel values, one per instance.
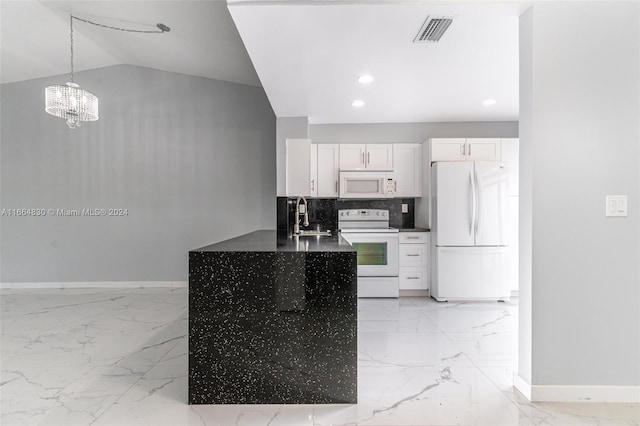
(469, 150)
(363, 162)
(368, 158)
(413, 255)
(336, 187)
(464, 149)
(413, 238)
(395, 186)
(313, 184)
(413, 278)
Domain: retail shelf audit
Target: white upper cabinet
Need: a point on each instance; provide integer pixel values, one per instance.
(366, 157)
(449, 149)
(380, 157)
(313, 171)
(298, 170)
(465, 149)
(328, 169)
(352, 156)
(407, 169)
(484, 149)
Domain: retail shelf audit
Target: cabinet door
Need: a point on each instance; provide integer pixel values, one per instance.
(352, 156)
(412, 278)
(380, 157)
(407, 170)
(313, 171)
(449, 149)
(297, 182)
(328, 170)
(484, 149)
(510, 155)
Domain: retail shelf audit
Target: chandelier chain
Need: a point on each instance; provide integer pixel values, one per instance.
(71, 36)
(161, 30)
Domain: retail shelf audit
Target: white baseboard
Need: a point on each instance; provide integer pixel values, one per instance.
(627, 394)
(522, 386)
(564, 393)
(94, 284)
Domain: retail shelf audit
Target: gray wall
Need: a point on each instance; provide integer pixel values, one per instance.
(525, 175)
(580, 141)
(409, 132)
(299, 127)
(192, 159)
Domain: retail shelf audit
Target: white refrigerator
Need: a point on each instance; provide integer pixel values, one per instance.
(469, 229)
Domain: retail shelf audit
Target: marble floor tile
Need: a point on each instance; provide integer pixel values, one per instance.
(408, 350)
(474, 320)
(118, 357)
(62, 395)
(424, 396)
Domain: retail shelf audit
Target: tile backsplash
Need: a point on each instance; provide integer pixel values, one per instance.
(323, 212)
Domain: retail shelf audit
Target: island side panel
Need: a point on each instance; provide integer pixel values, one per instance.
(272, 327)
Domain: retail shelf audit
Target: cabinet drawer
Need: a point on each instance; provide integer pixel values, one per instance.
(412, 279)
(413, 237)
(413, 254)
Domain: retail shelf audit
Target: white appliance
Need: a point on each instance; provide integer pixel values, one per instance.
(366, 185)
(469, 231)
(376, 243)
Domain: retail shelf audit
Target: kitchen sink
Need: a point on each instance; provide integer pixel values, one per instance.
(312, 233)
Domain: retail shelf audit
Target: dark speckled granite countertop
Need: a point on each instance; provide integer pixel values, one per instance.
(275, 241)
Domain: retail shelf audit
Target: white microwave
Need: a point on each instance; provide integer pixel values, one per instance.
(366, 185)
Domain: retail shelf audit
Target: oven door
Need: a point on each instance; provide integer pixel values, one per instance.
(377, 253)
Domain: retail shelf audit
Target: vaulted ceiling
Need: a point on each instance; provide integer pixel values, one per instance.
(307, 54)
(203, 40)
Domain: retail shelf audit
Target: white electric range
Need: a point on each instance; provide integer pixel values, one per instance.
(368, 231)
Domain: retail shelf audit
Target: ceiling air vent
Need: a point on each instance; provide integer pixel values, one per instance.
(433, 29)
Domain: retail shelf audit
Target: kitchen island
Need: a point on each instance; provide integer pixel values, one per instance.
(273, 320)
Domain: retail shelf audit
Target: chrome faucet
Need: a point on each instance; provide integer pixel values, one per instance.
(296, 226)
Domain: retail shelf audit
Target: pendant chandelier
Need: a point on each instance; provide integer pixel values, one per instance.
(71, 102)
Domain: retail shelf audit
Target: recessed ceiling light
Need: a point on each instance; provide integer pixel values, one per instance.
(489, 102)
(365, 79)
(357, 103)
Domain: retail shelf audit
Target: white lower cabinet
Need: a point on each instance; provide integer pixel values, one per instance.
(413, 260)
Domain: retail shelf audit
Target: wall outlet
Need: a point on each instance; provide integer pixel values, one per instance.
(405, 208)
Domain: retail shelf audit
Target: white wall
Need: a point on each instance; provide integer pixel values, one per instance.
(579, 135)
(192, 159)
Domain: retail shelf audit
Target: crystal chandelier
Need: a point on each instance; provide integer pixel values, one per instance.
(71, 102)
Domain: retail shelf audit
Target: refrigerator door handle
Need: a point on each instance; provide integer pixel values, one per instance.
(477, 185)
(473, 203)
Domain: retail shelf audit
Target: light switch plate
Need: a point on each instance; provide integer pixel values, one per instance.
(616, 205)
(405, 208)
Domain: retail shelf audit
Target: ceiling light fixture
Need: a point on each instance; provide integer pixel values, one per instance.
(365, 79)
(71, 102)
(489, 102)
(357, 103)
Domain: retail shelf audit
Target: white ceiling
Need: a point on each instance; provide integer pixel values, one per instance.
(309, 54)
(203, 40)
